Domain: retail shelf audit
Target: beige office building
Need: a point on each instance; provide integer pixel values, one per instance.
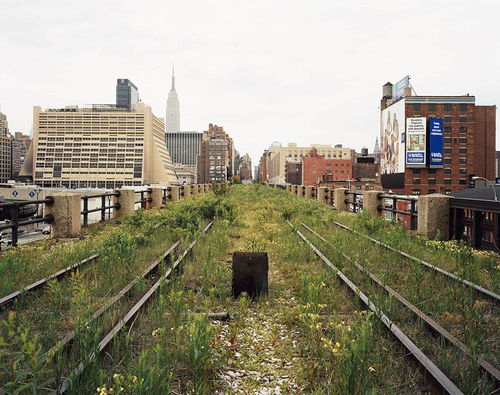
(99, 146)
(277, 156)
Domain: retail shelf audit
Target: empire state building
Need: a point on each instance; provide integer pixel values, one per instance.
(173, 115)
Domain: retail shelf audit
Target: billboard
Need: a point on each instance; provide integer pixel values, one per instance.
(398, 88)
(392, 139)
(416, 131)
(435, 142)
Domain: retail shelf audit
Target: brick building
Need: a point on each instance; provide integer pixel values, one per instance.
(215, 162)
(293, 172)
(468, 147)
(20, 145)
(315, 166)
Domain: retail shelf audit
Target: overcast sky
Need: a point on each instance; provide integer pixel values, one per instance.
(291, 71)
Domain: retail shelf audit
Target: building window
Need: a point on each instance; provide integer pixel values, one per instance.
(447, 181)
(431, 106)
(462, 118)
(416, 171)
(432, 171)
(462, 161)
(432, 181)
(447, 107)
(462, 181)
(447, 150)
(416, 181)
(446, 171)
(447, 118)
(462, 171)
(416, 106)
(455, 140)
(463, 140)
(463, 107)
(447, 130)
(463, 130)
(462, 151)
(447, 140)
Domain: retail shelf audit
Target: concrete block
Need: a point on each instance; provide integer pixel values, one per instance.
(66, 210)
(187, 191)
(175, 192)
(434, 215)
(371, 202)
(126, 201)
(157, 197)
(321, 196)
(340, 197)
(309, 190)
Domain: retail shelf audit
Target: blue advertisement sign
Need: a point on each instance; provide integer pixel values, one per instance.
(399, 87)
(435, 142)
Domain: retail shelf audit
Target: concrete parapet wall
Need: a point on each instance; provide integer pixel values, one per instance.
(126, 200)
(340, 197)
(66, 210)
(371, 202)
(434, 215)
(309, 192)
(175, 194)
(156, 197)
(321, 194)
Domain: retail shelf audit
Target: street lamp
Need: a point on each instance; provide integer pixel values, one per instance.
(490, 184)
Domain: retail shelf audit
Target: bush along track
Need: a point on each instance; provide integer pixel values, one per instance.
(125, 250)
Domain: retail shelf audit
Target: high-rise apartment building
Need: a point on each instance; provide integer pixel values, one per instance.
(101, 146)
(5, 150)
(435, 144)
(173, 123)
(216, 159)
(127, 94)
(277, 156)
(20, 146)
(245, 167)
(184, 147)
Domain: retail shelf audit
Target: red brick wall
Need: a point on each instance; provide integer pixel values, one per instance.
(313, 169)
(478, 142)
(484, 141)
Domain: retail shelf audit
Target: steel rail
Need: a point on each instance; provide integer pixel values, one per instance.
(428, 365)
(106, 340)
(485, 365)
(70, 336)
(9, 299)
(478, 288)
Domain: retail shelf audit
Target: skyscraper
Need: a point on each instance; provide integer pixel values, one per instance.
(173, 115)
(184, 147)
(127, 94)
(5, 150)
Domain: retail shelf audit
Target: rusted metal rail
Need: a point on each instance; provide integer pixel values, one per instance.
(109, 337)
(481, 290)
(441, 379)
(431, 324)
(11, 298)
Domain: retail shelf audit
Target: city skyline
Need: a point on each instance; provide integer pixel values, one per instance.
(322, 76)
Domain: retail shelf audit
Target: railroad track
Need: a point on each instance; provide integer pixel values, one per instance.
(10, 299)
(444, 382)
(481, 290)
(133, 312)
(431, 324)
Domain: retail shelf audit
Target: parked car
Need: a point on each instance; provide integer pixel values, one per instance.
(46, 230)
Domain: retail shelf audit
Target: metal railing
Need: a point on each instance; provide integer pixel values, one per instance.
(355, 204)
(397, 210)
(143, 201)
(477, 221)
(105, 198)
(16, 211)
